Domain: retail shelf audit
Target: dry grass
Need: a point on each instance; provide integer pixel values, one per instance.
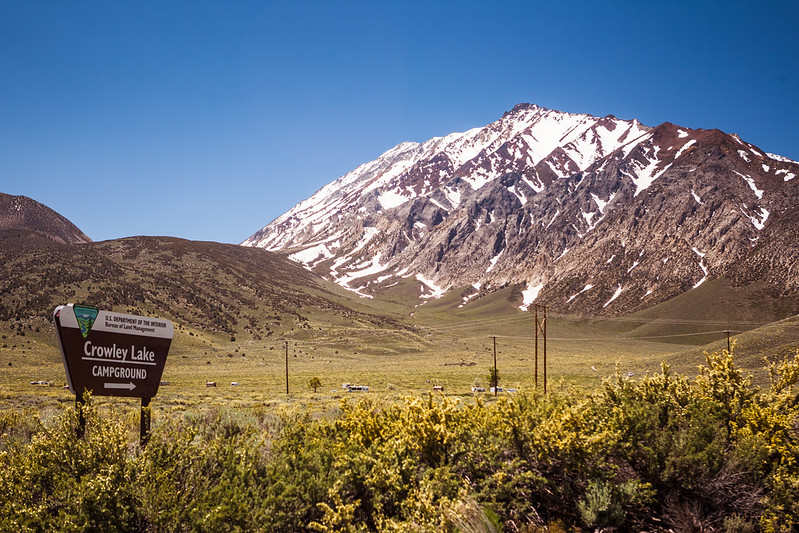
(391, 362)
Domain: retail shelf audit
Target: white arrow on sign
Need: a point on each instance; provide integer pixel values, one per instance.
(129, 386)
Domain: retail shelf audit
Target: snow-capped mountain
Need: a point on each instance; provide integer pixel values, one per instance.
(586, 213)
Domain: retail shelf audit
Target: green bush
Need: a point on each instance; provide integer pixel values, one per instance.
(661, 452)
(58, 482)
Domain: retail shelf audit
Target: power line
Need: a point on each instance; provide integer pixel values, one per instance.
(681, 321)
(331, 341)
(600, 319)
(675, 335)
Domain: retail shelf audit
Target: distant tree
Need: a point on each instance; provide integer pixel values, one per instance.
(493, 379)
(314, 383)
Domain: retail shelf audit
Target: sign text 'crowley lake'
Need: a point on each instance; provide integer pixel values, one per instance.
(112, 354)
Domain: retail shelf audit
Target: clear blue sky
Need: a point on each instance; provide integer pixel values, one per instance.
(208, 119)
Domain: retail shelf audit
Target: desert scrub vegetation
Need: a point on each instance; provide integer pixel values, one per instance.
(659, 453)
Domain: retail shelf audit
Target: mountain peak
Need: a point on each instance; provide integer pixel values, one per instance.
(21, 212)
(522, 107)
(595, 214)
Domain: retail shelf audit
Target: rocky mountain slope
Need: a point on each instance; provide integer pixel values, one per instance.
(23, 213)
(218, 288)
(586, 214)
(213, 287)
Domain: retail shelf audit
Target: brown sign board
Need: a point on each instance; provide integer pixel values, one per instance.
(112, 354)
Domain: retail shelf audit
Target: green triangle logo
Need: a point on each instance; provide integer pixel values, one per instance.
(86, 317)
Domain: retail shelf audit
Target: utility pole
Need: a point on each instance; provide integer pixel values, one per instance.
(495, 380)
(541, 330)
(287, 366)
(536, 345)
(545, 348)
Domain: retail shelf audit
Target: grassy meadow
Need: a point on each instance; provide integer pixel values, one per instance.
(400, 346)
(616, 444)
(441, 348)
(234, 309)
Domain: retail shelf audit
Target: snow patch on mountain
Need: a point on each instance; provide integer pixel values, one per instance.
(701, 265)
(704, 278)
(362, 270)
(453, 196)
(493, 262)
(469, 297)
(309, 257)
(642, 137)
(586, 288)
(751, 182)
(538, 186)
(520, 195)
(479, 179)
(647, 173)
(759, 222)
(369, 234)
(429, 288)
(529, 295)
(684, 148)
(780, 158)
(615, 295)
(392, 198)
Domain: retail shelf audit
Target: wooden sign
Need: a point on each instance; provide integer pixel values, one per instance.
(112, 354)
